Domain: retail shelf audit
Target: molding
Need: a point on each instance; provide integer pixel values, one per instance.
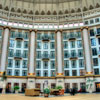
(7, 27)
(33, 30)
(58, 30)
(64, 77)
(84, 27)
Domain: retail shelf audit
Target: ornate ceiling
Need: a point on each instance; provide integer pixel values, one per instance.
(49, 8)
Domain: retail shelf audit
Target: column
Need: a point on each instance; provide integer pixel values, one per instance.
(4, 50)
(59, 54)
(87, 51)
(60, 79)
(89, 72)
(32, 54)
(31, 79)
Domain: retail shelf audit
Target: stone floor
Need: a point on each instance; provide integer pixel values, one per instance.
(66, 97)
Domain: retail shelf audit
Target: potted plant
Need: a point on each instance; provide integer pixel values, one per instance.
(16, 88)
(61, 90)
(46, 92)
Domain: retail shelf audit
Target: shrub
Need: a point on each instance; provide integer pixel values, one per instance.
(59, 87)
(16, 88)
(46, 91)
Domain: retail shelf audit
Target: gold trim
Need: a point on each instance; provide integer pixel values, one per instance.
(84, 27)
(1, 73)
(7, 27)
(31, 74)
(58, 30)
(33, 30)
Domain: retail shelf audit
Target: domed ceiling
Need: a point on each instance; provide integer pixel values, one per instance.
(36, 8)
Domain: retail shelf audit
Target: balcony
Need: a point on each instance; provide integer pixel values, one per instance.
(18, 56)
(72, 37)
(19, 36)
(73, 56)
(45, 57)
(45, 38)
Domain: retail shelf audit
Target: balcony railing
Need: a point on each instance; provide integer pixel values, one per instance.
(45, 57)
(19, 36)
(73, 56)
(72, 37)
(17, 56)
(45, 38)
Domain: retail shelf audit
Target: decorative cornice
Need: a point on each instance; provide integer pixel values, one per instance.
(84, 27)
(58, 30)
(33, 30)
(7, 27)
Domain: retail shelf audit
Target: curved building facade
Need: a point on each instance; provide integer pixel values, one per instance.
(50, 42)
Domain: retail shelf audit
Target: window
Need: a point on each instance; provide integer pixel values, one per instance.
(98, 30)
(18, 53)
(81, 63)
(11, 52)
(17, 73)
(45, 73)
(38, 64)
(73, 53)
(25, 44)
(24, 73)
(66, 54)
(80, 52)
(91, 21)
(97, 20)
(26, 35)
(92, 32)
(66, 72)
(52, 36)
(17, 63)
(52, 54)
(95, 61)
(38, 45)
(73, 64)
(93, 42)
(45, 45)
(0, 32)
(38, 36)
(78, 34)
(72, 44)
(96, 71)
(66, 64)
(38, 73)
(94, 51)
(79, 44)
(52, 64)
(18, 44)
(99, 41)
(82, 72)
(12, 42)
(12, 35)
(74, 72)
(65, 36)
(9, 72)
(52, 73)
(10, 63)
(65, 43)
(86, 22)
(38, 54)
(25, 54)
(52, 45)
(45, 64)
(25, 62)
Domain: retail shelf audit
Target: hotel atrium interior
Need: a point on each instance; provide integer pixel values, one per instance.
(53, 42)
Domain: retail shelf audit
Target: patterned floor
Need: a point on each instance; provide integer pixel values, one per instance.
(66, 97)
